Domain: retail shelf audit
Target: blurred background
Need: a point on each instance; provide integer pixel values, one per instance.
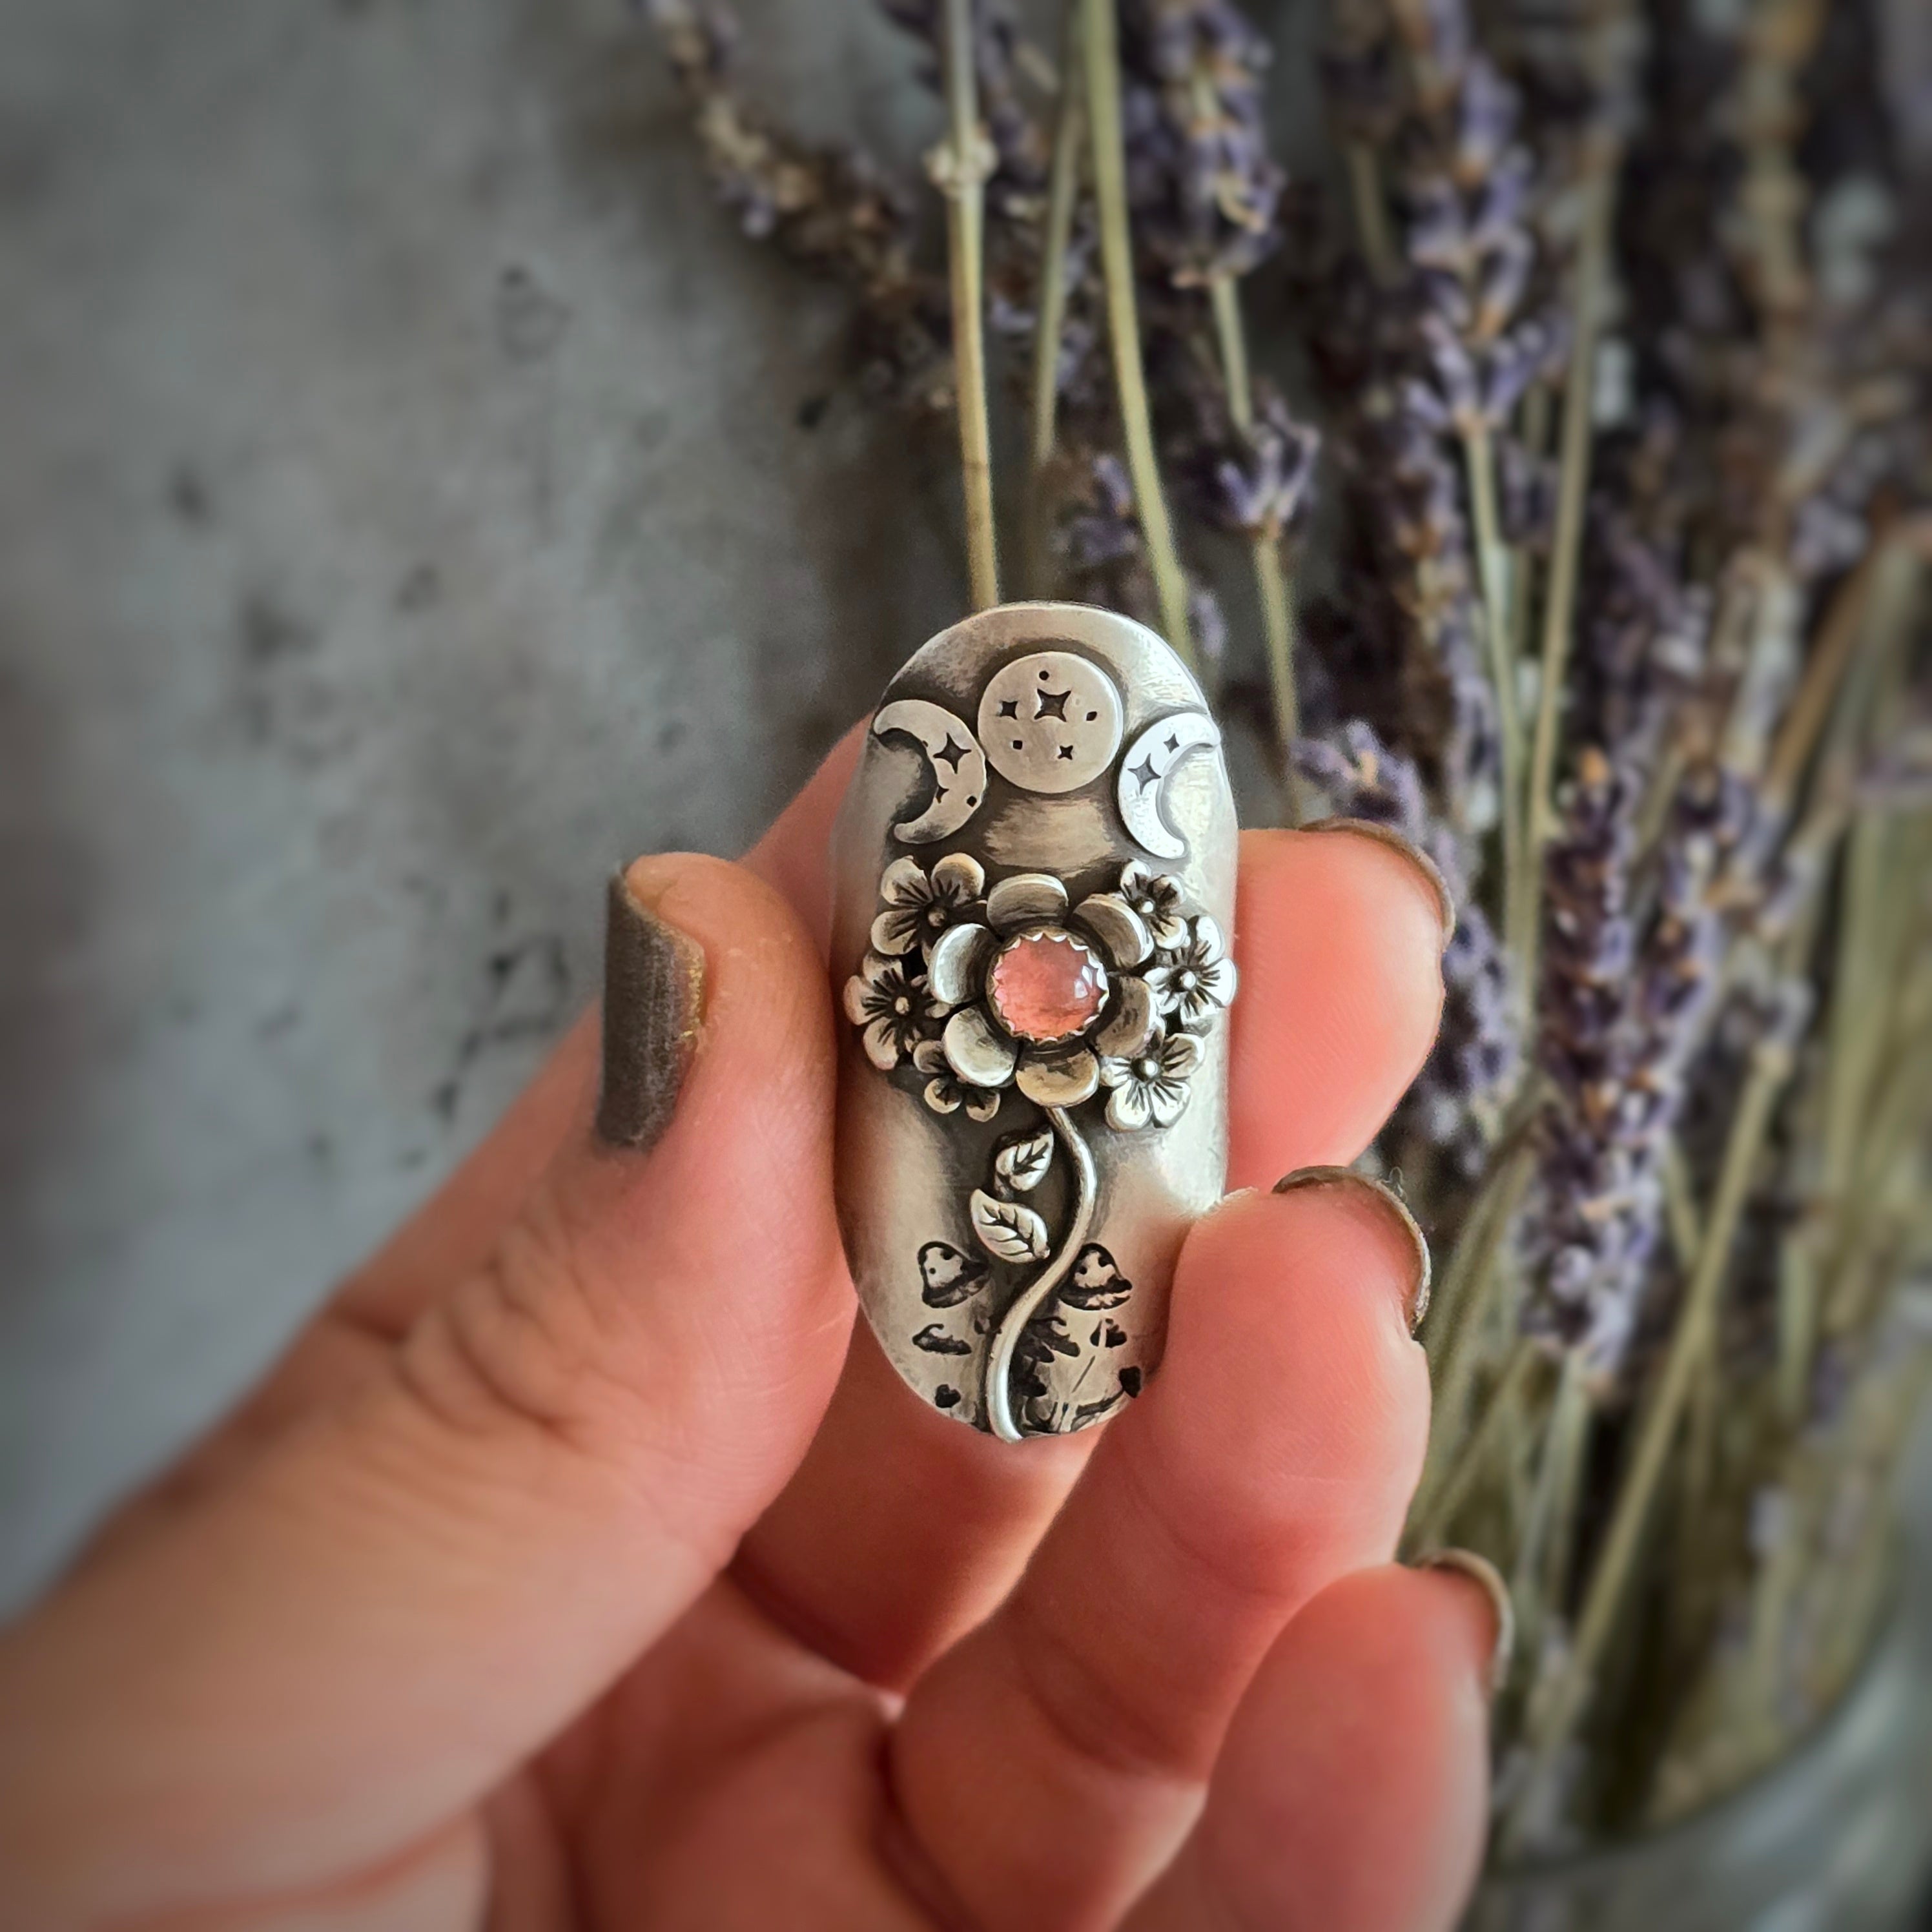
(415, 497)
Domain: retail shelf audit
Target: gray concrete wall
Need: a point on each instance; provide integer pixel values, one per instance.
(405, 514)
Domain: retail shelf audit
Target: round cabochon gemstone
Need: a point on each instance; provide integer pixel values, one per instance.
(1047, 986)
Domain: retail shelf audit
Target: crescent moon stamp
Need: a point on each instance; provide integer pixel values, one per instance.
(958, 766)
(1144, 770)
(1031, 918)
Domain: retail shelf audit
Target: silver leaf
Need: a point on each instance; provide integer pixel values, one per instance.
(1023, 1162)
(1009, 1230)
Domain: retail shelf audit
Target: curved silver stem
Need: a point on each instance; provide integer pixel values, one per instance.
(999, 1391)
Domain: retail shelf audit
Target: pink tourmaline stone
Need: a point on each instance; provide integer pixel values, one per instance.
(1047, 986)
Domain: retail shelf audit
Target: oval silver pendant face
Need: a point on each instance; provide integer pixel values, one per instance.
(1035, 880)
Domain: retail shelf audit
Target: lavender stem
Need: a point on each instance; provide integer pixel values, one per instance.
(1271, 584)
(1549, 1524)
(960, 168)
(1468, 1290)
(1371, 221)
(1559, 603)
(1063, 195)
(1432, 1513)
(1101, 47)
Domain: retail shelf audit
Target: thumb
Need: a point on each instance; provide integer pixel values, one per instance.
(420, 1584)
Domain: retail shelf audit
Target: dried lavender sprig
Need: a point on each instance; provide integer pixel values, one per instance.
(1258, 478)
(1586, 304)
(1402, 649)
(1554, 1717)
(1205, 190)
(1467, 185)
(1599, 1199)
(1625, 1003)
(1206, 194)
(831, 209)
(990, 45)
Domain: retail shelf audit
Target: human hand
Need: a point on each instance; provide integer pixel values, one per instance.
(582, 1564)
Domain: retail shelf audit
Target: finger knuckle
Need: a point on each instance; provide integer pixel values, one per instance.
(517, 1343)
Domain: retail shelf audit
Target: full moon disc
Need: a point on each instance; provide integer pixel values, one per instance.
(1051, 722)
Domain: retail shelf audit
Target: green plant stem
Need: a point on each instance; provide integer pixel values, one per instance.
(1798, 1302)
(1371, 221)
(1826, 665)
(1559, 599)
(1100, 49)
(1063, 197)
(1433, 1512)
(1864, 693)
(1470, 1286)
(1271, 580)
(1897, 1128)
(1533, 430)
(1479, 457)
(960, 171)
(1224, 298)
(1542, 1563)
(1680, 1206)
(1553, 1720)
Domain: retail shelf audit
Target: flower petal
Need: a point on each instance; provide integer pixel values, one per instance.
(1207, 938)
(1131, 1021)
(1166, 1100)
(1180, 1055)
(1027, 898)
(943, 1096)
(958, 877)
(903, 884)
(1136, 880)
(1121, 930)
(1127, 1106)
(1168, 929)
(882, 1044)
(977, 1051)
(1218, 981)
(981, 1103)
(896, 930)
(1059, 1082)
(858, 999)
(929, 1056)
(957, 963)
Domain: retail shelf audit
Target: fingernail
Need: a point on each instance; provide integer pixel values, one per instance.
(1391, 1204)
(653, 1006)
(1387, 834)
(1480, 1570)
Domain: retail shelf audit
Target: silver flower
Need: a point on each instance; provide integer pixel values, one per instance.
(1151, 1088)
(919, 906)
(888, 1002)
(1036, 995)
(945, 1093)
(1192, 979)
(1157, 898)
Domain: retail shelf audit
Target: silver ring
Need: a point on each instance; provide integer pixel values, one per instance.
(1035, 882)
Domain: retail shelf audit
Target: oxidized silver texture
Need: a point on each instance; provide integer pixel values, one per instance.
(1035, 869)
